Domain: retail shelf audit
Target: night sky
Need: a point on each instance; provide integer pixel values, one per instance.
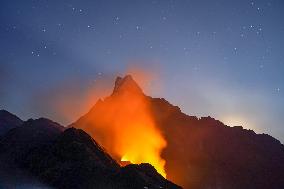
(222, 58)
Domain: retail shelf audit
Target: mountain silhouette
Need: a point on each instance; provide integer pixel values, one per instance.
(8, 121)
(32, 134)
(66, 159)
(16, 146)
(126, 84)
(200, 152)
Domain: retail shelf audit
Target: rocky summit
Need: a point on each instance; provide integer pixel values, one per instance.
(202, 152)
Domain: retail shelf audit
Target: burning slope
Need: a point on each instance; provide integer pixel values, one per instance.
(200, 152)
(123, 124)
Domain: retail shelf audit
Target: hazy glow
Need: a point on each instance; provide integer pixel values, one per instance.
(124, 126)
(234, 120)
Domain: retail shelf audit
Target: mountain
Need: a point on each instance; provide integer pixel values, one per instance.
(46, 153)
(126, 84)
(200, 152)
(75, 160)
(8, 121)
(20, 141)
(214, 155)
(17, 144)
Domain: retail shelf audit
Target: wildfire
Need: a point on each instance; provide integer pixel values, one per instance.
(143, 145)
(123, 124)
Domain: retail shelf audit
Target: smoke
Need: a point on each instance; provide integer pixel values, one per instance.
(123, 124)
(69, 99)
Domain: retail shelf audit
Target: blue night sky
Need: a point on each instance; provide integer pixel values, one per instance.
(222, 58)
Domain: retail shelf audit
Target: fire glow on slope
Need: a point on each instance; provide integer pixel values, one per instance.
(123, 124)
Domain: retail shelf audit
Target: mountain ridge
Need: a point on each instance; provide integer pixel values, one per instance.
(8, 121)
(68, 158)
(201, 151)
(126, 84)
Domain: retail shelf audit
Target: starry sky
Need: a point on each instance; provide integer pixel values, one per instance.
(222, 58)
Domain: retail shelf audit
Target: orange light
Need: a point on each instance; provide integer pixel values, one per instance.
(145, 147)
(123, 124)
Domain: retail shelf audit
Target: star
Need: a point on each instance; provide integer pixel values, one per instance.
(116, 20)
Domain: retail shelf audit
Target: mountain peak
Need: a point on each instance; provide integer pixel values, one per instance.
(8, 121)
(126, 83)
(6, 113)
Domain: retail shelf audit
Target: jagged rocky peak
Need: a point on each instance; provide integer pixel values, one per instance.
(8, 121)
(4, 112)
(126, 84)
(5, 115)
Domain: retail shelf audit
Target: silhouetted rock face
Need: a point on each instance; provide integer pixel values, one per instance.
(71, 159)
(205, 153)
(126, 84)
(142, 176)
(18, 145)
(8, 121)
(76, 145)
(75, 160)
(30, 135)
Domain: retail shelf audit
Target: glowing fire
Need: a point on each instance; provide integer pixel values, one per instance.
(144, 147)
(123, 124)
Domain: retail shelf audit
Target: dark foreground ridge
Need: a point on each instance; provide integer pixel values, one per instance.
(203, 152)
(70, 159)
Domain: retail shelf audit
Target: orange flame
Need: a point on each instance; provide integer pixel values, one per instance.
(123, 124)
